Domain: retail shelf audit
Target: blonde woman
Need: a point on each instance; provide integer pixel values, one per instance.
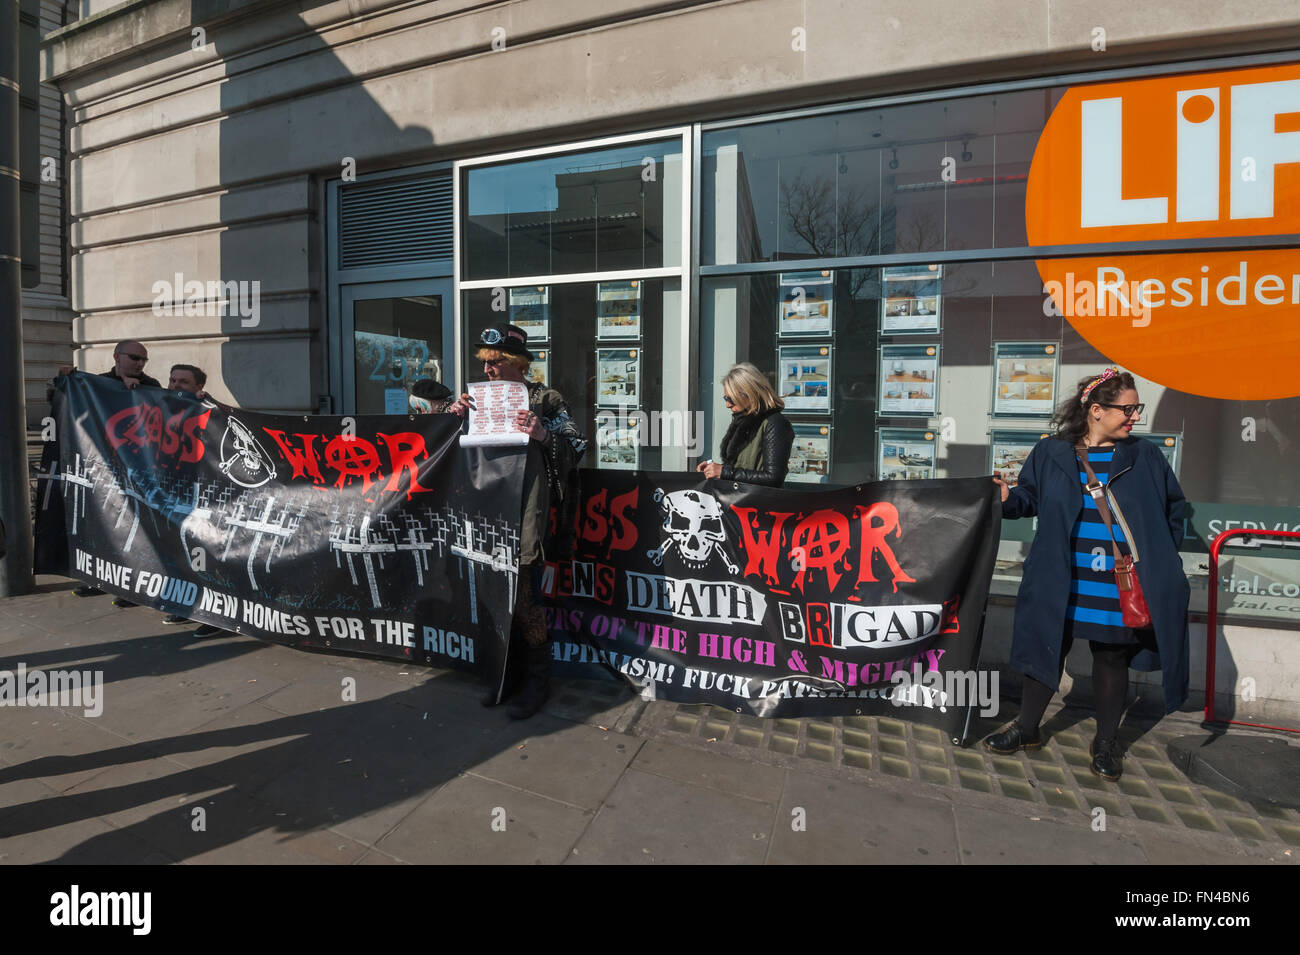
(756, 447)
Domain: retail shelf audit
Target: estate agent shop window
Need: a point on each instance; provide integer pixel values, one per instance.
(874, 261)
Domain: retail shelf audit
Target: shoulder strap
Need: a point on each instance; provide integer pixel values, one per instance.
(1119, 516)
(1100, 494)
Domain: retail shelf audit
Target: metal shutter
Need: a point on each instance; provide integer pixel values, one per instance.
(394, 222)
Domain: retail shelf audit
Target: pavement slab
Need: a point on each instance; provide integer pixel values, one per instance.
(20, 633)
(1164, 848)
(55, 747)
(712, 771)
(148, 708)
(650, 819)
(363, 796)
(244, 831)
(246, 746)
(472, 820)
(1007, 838)
(83, 842)
(571, 763)
(120, 795)
(321, 688)
(823, 820)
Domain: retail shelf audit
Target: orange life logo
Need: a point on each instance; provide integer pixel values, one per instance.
(1198, 156)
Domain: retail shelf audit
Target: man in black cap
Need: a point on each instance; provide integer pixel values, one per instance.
(550, 477)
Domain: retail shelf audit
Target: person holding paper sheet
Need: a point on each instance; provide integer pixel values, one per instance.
(550, 477)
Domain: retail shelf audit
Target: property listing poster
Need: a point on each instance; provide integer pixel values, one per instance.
(1008, 450)
(618, 377)
(805, 377)
(1024, 378)
(530, 310)
(1169, 445)
(910, 299)
(906, 454)
(618, 309)
(810, 456)
(807, 303)
(909, 380)
(540, 369)
(618, 445)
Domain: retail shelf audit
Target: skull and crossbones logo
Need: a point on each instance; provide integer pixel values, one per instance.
(693, 522)
(243, 459)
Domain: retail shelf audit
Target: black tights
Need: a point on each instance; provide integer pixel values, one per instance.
(1109, 682)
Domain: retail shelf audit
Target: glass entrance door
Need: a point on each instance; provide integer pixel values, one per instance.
(393, 334)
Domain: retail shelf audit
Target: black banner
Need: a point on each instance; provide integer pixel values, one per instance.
(370, 534)
(379, 534)
(866, 600)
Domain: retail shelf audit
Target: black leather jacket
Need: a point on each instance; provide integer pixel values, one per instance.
(778, 439)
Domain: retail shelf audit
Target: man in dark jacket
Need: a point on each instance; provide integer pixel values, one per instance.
(129, 358)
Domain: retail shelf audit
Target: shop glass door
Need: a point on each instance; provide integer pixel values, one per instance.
(394, 334)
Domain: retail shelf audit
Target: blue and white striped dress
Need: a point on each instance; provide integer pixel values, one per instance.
(1093, 612)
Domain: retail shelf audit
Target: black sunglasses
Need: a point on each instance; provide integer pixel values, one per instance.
(127, 354)
(1129, 410)
(726, 400)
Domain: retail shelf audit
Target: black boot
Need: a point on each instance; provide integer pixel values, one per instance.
(538, 687)
(1012, 740)
(1106, 759)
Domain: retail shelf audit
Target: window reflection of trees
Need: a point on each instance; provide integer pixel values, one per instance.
(831, 221)
(835, 220)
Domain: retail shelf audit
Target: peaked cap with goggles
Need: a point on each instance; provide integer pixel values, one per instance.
(508, 339)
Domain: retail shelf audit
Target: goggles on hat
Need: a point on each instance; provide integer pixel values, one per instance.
(494, 336)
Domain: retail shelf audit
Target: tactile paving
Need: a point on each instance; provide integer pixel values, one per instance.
(1152, 788)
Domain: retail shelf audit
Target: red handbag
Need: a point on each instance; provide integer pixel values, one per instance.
(1132, 602)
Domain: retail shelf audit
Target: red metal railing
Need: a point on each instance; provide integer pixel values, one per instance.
(1212, 623)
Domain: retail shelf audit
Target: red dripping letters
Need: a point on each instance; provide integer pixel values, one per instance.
(822, 542)
(352, 458)
(142, 426)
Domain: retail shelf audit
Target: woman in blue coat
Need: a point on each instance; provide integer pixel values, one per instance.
(1068, 590)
